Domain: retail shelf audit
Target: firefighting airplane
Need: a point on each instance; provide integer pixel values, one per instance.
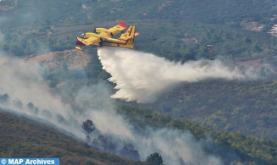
(102, 37)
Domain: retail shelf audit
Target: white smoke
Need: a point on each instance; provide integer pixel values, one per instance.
(1, 34)
(1, 37)
(100, 108)
(24, 81)
(176, 147)
(144, 77)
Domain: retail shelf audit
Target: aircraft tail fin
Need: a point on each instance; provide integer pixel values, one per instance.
(130, 33)
(129, 36)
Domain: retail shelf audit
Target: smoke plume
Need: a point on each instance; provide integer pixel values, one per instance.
(1, 34)
(1, 37)
(25, 84)
(143, 77)
(175, 146)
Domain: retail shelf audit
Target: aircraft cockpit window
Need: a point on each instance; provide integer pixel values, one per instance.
(83, 35)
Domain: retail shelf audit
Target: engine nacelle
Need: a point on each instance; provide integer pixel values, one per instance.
(101, 30)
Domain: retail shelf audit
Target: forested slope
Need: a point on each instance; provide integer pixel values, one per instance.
(66, 12)
(243, 107)
(34, 26)
(21, 137)
(232, 148)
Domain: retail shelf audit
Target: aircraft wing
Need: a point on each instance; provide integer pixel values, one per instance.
(118, 28)
(88, 41)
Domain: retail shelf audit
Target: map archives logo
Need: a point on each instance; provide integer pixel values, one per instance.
(29, 161)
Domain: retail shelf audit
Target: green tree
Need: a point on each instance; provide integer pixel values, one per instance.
(4, 98)
(89, 127)
(154, 159)
(31, 106)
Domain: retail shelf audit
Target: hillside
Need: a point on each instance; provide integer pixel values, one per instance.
(21, 137)
(186, 41)
(193, 11)
(242, 107)
(232, 148)
(25, 138)
(177, 26)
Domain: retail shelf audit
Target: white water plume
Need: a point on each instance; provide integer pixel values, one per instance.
(143, 77)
